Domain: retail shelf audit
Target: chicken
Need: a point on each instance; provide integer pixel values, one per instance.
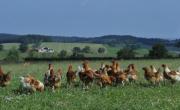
(157, 73)
(113, 69)
(173, 76)
(71, 75)
(51, 79)
(47, 75)
(58, 77)
(153, 78)
(116, 74)
(54, 79)
(131, 73)
(86, 74)
(103, 79)
(4, 78)
(121, 77)
(30, 84)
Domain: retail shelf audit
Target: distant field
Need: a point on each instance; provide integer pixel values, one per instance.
(130, 97)
(8, 46)
(63, 46)
(58, 46)
(110, 51)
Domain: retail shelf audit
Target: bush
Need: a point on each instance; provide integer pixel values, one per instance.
(101, 50)
(36, 44)
(1, 47)
(63, 54)
(33, 54)
(77, 55)
(76, 50)
(158, 51)
(177, 44)
(13, 55)
(86, 49)
(126, 53)
(23, 47)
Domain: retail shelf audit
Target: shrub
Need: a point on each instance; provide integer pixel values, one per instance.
(76, 50)
(62, 54)
(86, 49)
(36, 44)
(23, 47)
(1, 47)
(77, 55)
(101, 50)
(13, 55)
(158, 51)
(177, 44)
(126, 53)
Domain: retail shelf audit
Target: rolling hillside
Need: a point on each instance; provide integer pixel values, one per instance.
(110, 51)
(107, 39)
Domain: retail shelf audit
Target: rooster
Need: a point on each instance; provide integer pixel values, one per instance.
(4, 78)
(173, 76)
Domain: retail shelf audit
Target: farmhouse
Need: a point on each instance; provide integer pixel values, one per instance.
(44, 50)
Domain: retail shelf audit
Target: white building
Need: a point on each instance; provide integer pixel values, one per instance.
(45, 50)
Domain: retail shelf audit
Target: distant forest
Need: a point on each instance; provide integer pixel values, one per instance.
(107, 39)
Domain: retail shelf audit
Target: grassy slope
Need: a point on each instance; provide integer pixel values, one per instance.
(111, 51)
(131, 97)
(62, 46)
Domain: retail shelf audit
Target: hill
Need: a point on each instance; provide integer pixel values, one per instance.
(107, 39)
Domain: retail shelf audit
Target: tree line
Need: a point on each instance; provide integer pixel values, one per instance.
(158, 50)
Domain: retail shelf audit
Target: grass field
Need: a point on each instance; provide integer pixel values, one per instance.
(110, 51)
(131, 97)
(59, 46)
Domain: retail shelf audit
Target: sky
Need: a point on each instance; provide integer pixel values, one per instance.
(91, 18)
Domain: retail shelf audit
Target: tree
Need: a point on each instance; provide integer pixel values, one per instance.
(76, 50)
(101, 50)
(23, 47)
(86, 49)
(177, 44)
(126, 52)
(62, 54)
(13, 55)
(158, 51)
(33, 54)
(1, 47)
(76, 53)
(36, 44)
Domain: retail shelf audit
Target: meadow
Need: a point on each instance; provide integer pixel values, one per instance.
(139, 96)
(110, 51)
